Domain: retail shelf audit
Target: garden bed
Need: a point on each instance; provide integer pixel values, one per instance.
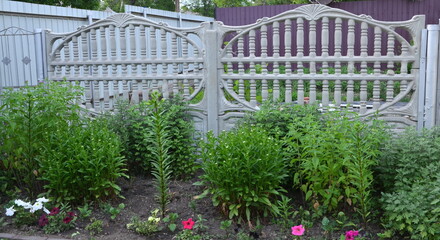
(139, 194)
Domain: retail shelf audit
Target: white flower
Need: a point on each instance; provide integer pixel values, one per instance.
(42, 200)
(45, 210)
(22, 203)
(10, 211)
(37, 206)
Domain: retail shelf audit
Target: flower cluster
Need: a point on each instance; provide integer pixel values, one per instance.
(298, 230)
(351, 234)
(53, 221)
(57, 220)
(38, 205)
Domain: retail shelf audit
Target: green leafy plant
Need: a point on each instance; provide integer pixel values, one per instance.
(225, 225)
(189, 235)
(171, 221)
(363, 155)
(82, 163)
(275, 117)
(133, 122)
(95, 227)
(285, 214)
(113, 211)
(146, 227)
(161, 160)
(199, 225)
(27, 118)
(334, 157)
(243, 170)
(85, 211)
(58, 220)
(409, 174)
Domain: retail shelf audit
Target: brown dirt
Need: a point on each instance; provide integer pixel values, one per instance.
(140, 200)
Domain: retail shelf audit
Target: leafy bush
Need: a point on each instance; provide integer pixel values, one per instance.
(275, 117)
(333, 158)
(145, 227)
(243, 170)
(26, 118)
(133, 122)
(410, 174)
(82, 164)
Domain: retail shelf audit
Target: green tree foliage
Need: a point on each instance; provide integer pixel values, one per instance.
(202, 7)
(118, 5)
(232, 3)
(83, 4)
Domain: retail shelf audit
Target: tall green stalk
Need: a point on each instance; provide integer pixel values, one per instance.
(161, 161)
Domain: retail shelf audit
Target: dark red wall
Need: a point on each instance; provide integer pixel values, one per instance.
(387, 10)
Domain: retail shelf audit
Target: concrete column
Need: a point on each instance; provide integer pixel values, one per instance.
(211, 76)
(432, 67)
(39, 53)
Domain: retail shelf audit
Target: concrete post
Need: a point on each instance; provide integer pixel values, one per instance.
(421, 88)
(39, 53)
(432, 67)
(211, 76)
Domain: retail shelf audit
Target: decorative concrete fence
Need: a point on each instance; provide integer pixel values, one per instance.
(231, 70)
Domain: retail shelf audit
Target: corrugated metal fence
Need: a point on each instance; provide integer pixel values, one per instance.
(385, 10)
(21, 38)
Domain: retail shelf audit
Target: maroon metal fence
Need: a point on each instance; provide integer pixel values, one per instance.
(386, 10)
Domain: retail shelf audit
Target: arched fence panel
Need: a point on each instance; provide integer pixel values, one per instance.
(308, 55)
(127, 56)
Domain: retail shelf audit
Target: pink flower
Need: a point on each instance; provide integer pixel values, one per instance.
(298, 230)
(43, 221)
(67, 220)
(54, 211)
(188, 224)
(351, 234)
(71, 214)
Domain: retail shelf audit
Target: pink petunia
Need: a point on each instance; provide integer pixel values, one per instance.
(71, 214)
(43, 221)
(54, 211)
(298, 230)
(349, 235)
(67, 220)
(188, 224)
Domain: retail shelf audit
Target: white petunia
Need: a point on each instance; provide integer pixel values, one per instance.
(10, 211)
(42, 200)
(22, 203)
(37, 206)
(45, 210)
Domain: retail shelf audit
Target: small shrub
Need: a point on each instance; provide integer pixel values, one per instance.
(333, 158)
(170, 220)
(82, 163)
(113, 211)
(145, 227)
(58, 220)
(85, 211)
(243, 170)
(95, 227)
(410, 175)
(276, 117)
(133, 122)
(26, 118)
